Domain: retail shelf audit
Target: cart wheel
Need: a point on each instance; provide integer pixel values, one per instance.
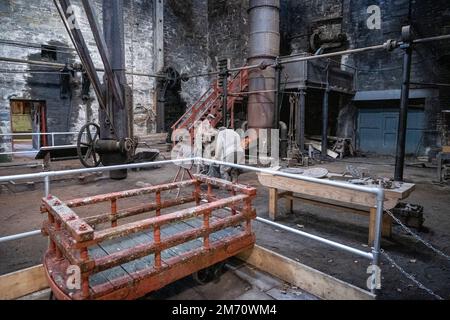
(209, 274)
(51, 296)
(202, 277)
(218, 271)
(87, 138)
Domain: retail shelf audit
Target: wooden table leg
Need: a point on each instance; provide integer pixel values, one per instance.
(273, 203)
(47, 160)
(372, 223)
(386, 230)
(290, 202)
(386, 227)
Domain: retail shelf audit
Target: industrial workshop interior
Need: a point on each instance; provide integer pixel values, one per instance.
(225, 150)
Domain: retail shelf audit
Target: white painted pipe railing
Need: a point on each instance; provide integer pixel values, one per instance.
(52, 136)
(374, 255)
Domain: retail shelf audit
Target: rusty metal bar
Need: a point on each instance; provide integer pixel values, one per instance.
(84, 255)
(126, 213)
(114, 212)
(143, 250)
(197, 193)
(79, 229)
(158, 203)
(127, 194)
(58, 240)
(226, 184)
(181, 215)
(206, 226)
(233, 208)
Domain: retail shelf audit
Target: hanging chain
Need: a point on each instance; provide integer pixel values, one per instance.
(427, 244)
(410, 276)
(418, 238)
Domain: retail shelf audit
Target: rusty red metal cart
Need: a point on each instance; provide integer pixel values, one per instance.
(130, 260)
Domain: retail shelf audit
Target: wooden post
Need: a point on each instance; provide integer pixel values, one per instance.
(372, 223)
(290, 202)
(387, 226)
(273, 202)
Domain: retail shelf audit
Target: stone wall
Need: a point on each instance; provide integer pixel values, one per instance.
(186, 44)
(228, 31)
(196, 34)
(38, 22)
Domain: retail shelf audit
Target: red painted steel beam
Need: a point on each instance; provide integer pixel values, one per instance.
(139, 226)
(78, 228)
(141, 251)
(226, 185)
(126, 213)
(64, 242)
(127, 194)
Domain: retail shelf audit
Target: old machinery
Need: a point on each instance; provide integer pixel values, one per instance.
(91, 149)
(110, 142)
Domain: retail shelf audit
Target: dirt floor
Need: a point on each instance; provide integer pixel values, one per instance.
(19, 212)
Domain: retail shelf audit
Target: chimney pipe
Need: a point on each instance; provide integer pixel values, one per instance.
(264, 46)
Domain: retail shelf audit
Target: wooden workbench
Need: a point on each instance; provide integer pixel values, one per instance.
(330, 196)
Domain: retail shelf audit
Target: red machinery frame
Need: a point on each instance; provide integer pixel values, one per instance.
(70, 237)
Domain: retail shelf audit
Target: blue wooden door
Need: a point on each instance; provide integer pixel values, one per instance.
(377, 130)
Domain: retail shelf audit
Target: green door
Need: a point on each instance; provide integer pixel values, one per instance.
(377, 130)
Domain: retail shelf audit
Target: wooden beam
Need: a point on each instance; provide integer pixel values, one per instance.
(21, 283)
(306, 278)
(314, 189)
(273, 203)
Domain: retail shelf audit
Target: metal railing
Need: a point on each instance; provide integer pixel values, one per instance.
(52, 136)
(374, 255)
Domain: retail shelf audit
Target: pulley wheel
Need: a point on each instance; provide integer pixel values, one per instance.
(87, 139)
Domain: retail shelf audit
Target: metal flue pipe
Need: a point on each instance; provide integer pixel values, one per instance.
(264, 47)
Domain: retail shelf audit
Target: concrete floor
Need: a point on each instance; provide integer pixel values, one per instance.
(20, 213)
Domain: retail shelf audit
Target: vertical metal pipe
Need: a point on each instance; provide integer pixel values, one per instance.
(325, 108)
(403, 116)
(278, 70)
(264, 48)
(301, 121)
(378, 225)
(46, 186)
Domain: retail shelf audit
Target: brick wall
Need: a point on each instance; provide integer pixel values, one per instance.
(38, 22)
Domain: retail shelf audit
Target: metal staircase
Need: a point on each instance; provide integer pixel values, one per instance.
(211, 103)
